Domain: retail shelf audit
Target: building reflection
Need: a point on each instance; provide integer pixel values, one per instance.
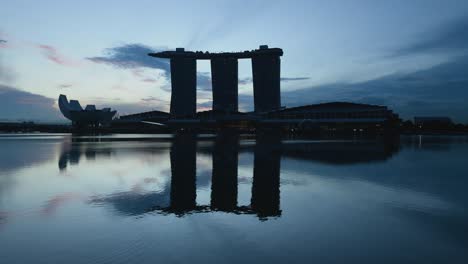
(72, 151)
(183, 171)
(265, 200)
(224, 179)
(180, 196)
(266, 178)
(343, 152)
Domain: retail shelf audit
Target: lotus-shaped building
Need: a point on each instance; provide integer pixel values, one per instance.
(89, 116)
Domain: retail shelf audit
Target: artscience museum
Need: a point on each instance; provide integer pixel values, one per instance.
(89, 116)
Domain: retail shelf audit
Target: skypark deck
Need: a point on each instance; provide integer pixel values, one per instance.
(200, 55)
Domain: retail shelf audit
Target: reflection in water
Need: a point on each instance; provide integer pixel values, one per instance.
(183, 168)
(266, 179)
(72, 150)
(265, 190)
(17, 153)
(130, 199)
(181, 197)
(224, 179)
(343, 152)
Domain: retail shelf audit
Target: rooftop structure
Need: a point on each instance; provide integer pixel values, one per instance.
(334, 116)
(146, 116)
(200, 55)
(341, 112)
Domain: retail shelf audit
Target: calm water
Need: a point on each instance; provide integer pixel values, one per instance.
(152, 199)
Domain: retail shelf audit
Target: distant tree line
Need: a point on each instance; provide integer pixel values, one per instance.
(432, 126)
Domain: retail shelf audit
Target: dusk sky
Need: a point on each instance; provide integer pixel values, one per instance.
(409, 55)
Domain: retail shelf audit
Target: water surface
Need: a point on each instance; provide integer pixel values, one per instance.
(209, 199)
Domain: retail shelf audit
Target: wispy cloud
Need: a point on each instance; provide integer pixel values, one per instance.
(6, 73)
(440, 90)
(149, 80)
(16, 104)
(203, 81)
(446, 39)
(52, 54)
(135, 57)
(289, 79)
(234, 16)
(65, 85)
(249, 80)
(153, 99)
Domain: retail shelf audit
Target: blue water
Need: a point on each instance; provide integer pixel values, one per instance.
(225, 199)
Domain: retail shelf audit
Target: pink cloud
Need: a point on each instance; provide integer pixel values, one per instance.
(3, 44)
(53, 55)
(138, 72)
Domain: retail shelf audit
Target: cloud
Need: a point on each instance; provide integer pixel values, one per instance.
(447, 39)
(203, 81)
(439, 90)
(132, 56)
(288, 79)
(249, 80)
(6, 73)
(53, 55)
(65, 85)
(16, 105)
(204, 106)
(149, 80)
(235, 16)
(152, 99)
(135, 56)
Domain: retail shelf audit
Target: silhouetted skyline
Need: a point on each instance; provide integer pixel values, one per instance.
(411, 56)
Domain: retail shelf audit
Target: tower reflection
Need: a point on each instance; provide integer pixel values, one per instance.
(224, 179)
(183, 168)
(265, 200)
(266, 178)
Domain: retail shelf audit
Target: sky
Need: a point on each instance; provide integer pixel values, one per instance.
(409, 55)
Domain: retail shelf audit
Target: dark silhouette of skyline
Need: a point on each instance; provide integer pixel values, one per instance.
(266, 72)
